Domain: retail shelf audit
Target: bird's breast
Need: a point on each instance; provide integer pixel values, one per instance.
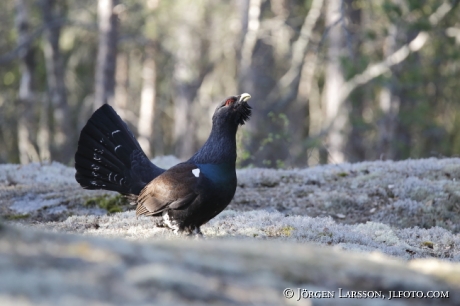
(223, 176)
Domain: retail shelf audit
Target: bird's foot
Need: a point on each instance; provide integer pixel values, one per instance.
(194, 231)
(198, 231)
(159, 222)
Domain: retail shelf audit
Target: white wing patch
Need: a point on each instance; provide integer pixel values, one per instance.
(196, 172)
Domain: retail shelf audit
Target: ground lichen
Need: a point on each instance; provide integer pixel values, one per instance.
(286, 231)
(112, 204)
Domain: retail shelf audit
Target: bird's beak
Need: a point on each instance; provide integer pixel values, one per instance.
(245, 97)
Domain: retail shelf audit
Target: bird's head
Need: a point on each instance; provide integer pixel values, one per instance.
(233, 110)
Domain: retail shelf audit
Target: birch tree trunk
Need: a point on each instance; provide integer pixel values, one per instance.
(148, 98)
(146, 123)
(184, 94)
(250, 24)
(107, 53)
(336, 117)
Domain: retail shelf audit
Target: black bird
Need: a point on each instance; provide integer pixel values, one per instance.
(186, 195)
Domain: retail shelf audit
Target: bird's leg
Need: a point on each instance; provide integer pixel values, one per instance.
(198, 231)
(159, 222)
(193, 231)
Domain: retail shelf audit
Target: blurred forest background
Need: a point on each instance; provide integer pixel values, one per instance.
(331, 80)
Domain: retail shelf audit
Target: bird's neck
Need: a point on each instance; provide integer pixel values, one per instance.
(220, 148)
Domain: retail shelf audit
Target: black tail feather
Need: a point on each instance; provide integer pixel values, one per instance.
(109, 157)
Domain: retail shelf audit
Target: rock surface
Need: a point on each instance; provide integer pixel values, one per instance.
(40, 268)
(368, 226)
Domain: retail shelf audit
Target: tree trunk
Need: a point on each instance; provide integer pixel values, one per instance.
(184, 94)
(270, 132)
(122, 82)
(107, 53)
(355, 148)
(63, 136)
(148, 95)
(300, 117)
(43, 134)
(389, 106)
(336, 118)
(250, 14)
(256, 78)
(27, 151)
(189, 72)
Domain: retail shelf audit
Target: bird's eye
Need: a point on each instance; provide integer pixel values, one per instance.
(229, 101)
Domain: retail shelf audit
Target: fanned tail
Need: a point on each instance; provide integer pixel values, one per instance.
(109, 157)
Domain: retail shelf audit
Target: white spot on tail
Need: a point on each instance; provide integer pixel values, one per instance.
(196, 172)
(117, 147)
(114, 132)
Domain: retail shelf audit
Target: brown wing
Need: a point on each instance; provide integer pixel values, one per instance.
(174, 189)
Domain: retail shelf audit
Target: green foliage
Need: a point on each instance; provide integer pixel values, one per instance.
(112, 204)
(392, 10)
(272, 141)
(243, 154)
(422, 24)
(17, 217)
(279, 139)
